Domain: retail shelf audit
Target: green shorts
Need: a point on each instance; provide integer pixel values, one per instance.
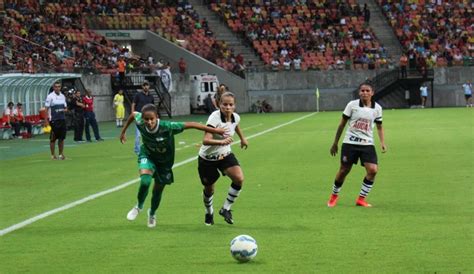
(162, 175)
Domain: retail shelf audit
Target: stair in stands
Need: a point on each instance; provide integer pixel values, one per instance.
(382, 30)
(222, 32)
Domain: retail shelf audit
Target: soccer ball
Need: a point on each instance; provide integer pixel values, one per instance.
(243, 248)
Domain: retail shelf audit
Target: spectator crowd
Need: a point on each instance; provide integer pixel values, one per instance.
(433, 33)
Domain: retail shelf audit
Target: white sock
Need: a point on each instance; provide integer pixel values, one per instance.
(234, 191)
(208, 203)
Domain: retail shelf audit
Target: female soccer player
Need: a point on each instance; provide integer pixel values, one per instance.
(359, 142)
(156, 157)
(215, 155)
(119, 108)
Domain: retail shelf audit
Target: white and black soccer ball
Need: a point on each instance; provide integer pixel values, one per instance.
(243, 248)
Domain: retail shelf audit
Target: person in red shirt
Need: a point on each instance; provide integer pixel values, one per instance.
(20, 121)
(89, 115)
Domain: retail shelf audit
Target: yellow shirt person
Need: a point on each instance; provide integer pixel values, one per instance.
(119, 108)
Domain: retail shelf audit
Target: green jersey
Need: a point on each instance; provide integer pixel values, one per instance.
(158, 144)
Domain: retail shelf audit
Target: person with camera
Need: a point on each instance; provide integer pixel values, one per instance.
(77, 107)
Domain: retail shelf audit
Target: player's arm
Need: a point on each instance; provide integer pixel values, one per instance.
(220, 131)
(123, 137)
(340, 128)
(243, 141)
(381, 137)
(208, 140)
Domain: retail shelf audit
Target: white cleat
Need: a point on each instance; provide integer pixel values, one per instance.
(151, 220)
(133, 213)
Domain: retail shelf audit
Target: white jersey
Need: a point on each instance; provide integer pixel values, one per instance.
(361, 122)
(467, 89)
(56, 103)
(217, 120)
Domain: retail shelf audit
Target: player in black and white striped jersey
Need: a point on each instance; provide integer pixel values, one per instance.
(216, 156)
(362, 114)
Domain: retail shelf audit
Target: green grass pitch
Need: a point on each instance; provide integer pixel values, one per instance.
(421, 222)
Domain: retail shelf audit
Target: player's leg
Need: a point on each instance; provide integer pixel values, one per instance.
(52, 145)
(146, 169)
(163, 176)
(208, 174)
(349, 156)
(155, 203)
(145, 182)
(208, 200)
(61, 135)
(369, 160)
(95, 127)
(237, 176)
(61, 149)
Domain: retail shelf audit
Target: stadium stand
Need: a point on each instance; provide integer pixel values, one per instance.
(318, 35)
(61, 32)
(321, 34)
(435, 33)
(173, 21)
(55, 38)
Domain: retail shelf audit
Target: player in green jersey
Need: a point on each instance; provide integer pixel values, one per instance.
(156, 157)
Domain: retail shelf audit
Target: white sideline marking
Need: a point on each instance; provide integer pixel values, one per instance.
(4, 147)
(124, 185)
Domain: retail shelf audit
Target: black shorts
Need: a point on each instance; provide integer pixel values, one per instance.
(209, 170)
(58, 130)
(467, 96)
(350, 154)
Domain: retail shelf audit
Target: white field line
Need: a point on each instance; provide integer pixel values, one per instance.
(124, 185)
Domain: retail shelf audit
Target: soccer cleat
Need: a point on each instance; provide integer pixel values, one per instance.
(53, 157)
(151, 220)
(209, 219)
(62, 157)
(362, 202)
(227, 214)
(333, 200)
(133, 213)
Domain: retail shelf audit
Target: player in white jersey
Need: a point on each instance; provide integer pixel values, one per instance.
(362, 115)
(467, 87)
(215, 155)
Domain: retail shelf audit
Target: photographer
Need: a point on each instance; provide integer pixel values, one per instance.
(69, 95)
(77, 107)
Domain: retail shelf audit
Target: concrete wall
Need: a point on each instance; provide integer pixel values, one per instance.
(101, 88)
(290, 91)
(295, 91)
(180, 96)
(448, 82)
